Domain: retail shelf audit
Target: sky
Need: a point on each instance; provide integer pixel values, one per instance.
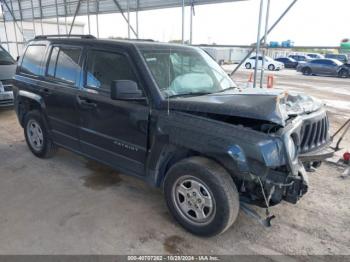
(310, 22)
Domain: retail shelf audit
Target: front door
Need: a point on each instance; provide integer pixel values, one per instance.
(58, 89)
(112, 131)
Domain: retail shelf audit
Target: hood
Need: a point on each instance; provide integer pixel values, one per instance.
(7, 71)
(274, 105)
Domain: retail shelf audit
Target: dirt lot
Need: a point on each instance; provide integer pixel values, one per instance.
(70, 205)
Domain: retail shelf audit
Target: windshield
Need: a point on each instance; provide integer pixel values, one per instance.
(190, 71)
(5, 58)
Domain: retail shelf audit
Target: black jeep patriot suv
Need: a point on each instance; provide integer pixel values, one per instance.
(171, 116)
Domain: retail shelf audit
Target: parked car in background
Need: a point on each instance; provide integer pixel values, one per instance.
(301, 58)
(269, 63)
(341, 57)
(7, 71)
(329, 67)
(315, 55)
(288, 62)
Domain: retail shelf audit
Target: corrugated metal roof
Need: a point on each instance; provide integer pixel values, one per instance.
(22, 9)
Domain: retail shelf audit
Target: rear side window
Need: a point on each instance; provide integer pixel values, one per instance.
(31, 63)
(103, 67)
(64, 63)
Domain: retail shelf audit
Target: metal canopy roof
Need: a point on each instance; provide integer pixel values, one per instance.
(41, 9)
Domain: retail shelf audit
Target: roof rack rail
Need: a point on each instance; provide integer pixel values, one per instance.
(69, 36)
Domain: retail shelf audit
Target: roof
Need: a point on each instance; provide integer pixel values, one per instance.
(142, 44)
(22, 9)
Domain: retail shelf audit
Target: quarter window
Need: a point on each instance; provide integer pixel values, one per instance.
(64, 63)
(103, 67)
(31, 63)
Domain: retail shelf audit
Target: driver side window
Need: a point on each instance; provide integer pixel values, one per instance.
(102, 67)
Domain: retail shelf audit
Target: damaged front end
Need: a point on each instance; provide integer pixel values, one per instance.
(306, 142)
(265, 139)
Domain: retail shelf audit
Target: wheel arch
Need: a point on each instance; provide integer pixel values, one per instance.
(175, 155)
(26, 102)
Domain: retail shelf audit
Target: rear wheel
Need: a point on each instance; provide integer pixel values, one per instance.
(201, 196)
(248, 65)
(37, 136)
(307, 71)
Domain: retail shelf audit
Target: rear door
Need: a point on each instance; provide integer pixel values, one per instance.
(59, 88)
(112, 131)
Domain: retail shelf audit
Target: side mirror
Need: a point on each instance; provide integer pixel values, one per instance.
(125, 90)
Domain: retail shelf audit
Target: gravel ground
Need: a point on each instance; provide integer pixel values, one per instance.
(70, 205)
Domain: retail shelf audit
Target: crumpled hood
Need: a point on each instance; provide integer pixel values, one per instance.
(274, 105)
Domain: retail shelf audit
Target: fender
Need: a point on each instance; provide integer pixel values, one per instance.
(33, 96)
(21, 97)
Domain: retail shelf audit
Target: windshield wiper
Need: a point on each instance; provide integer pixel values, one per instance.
(191, 94)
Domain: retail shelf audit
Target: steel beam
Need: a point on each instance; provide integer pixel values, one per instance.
(20, 13)
(97, 24)
(128, 15)
(125, 18)
(88, 15)
(14, 23)
(65, 16)
(5, 28)
(31, 4)
(258, 43)
(183, 22)
(41, 17)
(191, 21)
(137, 16)
(265, 43)
(57, 19)
(75, 15)
(268, 32)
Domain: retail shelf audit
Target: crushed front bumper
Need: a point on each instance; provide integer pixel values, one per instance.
(317, 155)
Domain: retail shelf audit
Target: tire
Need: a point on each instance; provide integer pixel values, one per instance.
(248, 65)
(307, 71)
(271, 67)
(200, 186)
(343, 73)
(37, 136)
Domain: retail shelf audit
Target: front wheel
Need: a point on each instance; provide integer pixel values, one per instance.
(248, 65)
(201, 196)
(271, 67)
(37, 136)
(343, 73)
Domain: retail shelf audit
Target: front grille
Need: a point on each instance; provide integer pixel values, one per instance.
(7, 88)
(314, 134)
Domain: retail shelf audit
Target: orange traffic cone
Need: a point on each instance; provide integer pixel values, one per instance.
(250, 79)
(270, 81)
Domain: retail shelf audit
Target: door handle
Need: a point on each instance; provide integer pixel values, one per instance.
(86, 103)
